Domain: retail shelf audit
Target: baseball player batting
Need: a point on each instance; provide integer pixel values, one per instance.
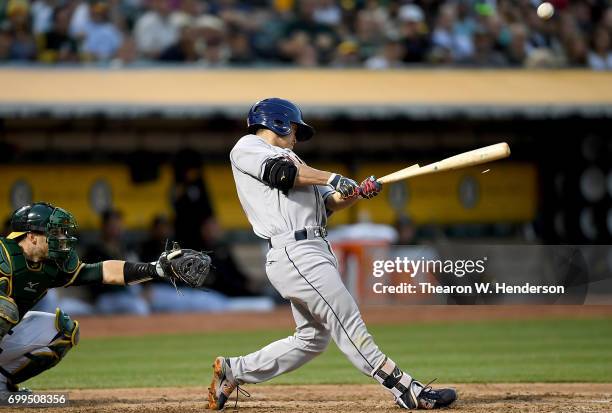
(288, 204)
(38, 255)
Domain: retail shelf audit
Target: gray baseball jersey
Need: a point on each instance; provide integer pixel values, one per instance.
(269, 211)
(305, 272)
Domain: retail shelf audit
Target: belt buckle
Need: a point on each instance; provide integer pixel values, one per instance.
(320, 232)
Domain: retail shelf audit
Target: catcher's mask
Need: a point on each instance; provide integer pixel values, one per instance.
(57, 224)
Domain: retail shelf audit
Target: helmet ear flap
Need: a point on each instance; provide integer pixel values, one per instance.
(304, 132)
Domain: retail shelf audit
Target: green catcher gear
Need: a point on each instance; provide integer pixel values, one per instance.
(27, 282)
(56, 223)
(9, 314)
(44, 358)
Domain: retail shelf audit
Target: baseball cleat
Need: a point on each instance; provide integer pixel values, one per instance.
(221, 386)
(425, 397)
(8, 387)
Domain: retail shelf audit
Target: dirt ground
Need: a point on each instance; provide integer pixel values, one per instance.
(473, 398)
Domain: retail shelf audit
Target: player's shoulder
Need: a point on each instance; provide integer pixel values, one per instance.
(249, 141)
(7, 249)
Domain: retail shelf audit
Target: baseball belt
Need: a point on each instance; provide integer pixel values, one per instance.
(282, 240)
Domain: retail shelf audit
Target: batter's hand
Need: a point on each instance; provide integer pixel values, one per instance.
(346, 187)
(369, 187)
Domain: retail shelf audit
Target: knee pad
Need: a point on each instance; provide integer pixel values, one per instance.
(67, 334)
(9, 314)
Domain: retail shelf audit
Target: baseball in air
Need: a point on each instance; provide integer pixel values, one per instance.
(545, 10)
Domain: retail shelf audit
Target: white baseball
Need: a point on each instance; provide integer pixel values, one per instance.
(545, 10)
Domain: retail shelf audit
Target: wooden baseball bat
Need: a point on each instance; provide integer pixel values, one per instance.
(463, 160)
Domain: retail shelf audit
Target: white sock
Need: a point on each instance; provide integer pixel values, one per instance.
(392, 378)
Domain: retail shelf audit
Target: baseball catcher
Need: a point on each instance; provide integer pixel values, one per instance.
(38, 255)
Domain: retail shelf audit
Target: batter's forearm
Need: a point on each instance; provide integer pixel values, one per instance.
(311, 176)
(335, 202)
(346, 188)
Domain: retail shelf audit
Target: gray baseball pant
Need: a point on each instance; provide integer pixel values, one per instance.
(306, 273)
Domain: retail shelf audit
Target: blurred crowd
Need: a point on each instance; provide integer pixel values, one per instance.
(376, 34)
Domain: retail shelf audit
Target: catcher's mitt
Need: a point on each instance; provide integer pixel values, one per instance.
(189, 266)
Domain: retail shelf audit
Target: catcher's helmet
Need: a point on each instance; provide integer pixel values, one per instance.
(278, 115)
(31, 218)
(56, 223)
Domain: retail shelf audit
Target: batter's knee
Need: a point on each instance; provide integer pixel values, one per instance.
(313, 339)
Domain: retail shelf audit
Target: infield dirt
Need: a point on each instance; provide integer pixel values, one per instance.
(474, 398)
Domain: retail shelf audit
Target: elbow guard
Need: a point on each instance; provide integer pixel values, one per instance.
(280, 173)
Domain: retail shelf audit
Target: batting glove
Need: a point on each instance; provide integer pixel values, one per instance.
(369, 187)
(346, 187)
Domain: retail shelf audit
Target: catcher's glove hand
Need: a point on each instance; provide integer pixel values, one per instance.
(189, 266)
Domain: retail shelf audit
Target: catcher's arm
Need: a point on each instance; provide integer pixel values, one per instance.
(185, 265)
(107, 272)
(121, 272)
(115, 272)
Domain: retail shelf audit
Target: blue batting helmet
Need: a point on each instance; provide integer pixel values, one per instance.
(278, 115)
